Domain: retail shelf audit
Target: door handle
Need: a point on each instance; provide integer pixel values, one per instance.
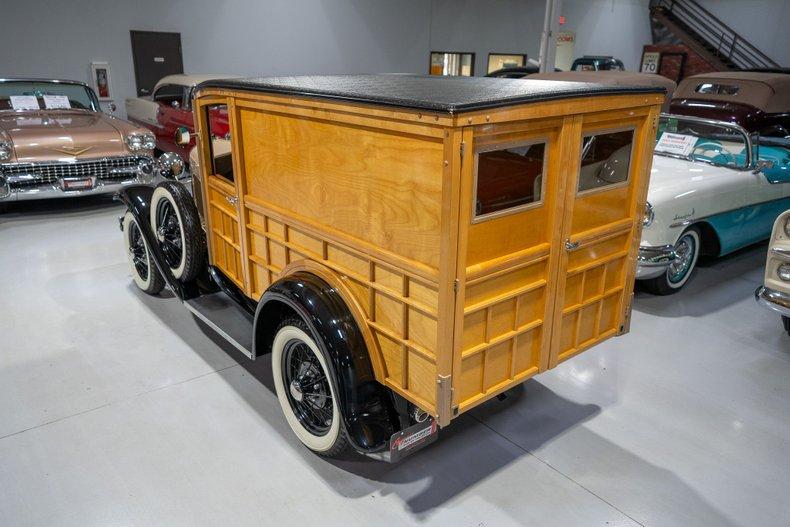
(571, 246)
(233, 200)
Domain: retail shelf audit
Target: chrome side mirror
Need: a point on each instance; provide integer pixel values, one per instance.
(170, 165)
(175, 104)
(182, 136)
(762, 165)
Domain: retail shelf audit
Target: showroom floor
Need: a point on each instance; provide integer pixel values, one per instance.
(118, 408)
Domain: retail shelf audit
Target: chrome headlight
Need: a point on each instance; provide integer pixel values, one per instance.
(170, 165)
(140, 141)
(649, 215)
(5, 150)
(783, 272)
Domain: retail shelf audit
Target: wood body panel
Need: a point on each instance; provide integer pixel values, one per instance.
(380, 201)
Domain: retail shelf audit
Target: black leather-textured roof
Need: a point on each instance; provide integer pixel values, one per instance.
(425, 92)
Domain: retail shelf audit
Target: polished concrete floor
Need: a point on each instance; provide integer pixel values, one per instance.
(121, 409)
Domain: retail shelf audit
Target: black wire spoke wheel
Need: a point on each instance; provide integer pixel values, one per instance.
(307, 388)
(137, 248)
(169, 233)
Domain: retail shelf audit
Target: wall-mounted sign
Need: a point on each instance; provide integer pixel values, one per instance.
(650, 60)
(563, 58)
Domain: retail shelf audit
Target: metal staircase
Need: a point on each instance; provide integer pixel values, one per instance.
(696, 27)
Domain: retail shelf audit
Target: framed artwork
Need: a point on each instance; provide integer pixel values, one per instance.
(101, 81)
(452, 63)
(500, 61)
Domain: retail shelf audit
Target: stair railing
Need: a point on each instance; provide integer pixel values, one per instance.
(715, 34)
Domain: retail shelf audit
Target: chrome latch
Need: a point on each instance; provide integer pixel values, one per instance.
(571, 246)
(233, 200)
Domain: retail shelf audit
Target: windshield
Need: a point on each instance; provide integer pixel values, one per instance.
(43, 95)
(717, 144)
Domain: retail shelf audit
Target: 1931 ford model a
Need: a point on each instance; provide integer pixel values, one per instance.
(406, 247)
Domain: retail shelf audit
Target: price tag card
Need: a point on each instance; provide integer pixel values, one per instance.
(677, 144)
(56, 102)
(24, 102)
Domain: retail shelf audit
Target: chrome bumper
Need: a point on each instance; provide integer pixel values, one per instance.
(773, 300)
(51, 191)
(654, 261)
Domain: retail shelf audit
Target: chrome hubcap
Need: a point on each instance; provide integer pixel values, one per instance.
(684, 256)
(296, 391)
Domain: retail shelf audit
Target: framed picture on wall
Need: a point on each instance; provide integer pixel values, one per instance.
(500, 61)
(452, 63)
(101, 81)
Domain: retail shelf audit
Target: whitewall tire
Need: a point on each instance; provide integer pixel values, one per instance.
(687, 251)
(144, 272)
(305, 389)
(176, 224)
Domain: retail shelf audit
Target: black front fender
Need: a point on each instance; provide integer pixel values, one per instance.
(137, 199)
(366, 405)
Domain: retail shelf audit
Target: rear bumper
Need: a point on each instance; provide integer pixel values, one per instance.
(774, 300)
(654, 261)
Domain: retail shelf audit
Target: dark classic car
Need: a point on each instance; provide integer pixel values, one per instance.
(757, 101)
(596, 63)
(56, 142)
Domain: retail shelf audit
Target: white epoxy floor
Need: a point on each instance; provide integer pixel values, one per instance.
(120, 409)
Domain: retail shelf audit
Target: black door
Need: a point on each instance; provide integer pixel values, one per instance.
(155, 54)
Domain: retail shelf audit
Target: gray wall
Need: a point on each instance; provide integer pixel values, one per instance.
(764, 23)
(609, 27)
(486, 26)
(246, 37)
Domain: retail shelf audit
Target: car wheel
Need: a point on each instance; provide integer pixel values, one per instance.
(306, 390)
(687, 249)
(176, 223)
(144, 272)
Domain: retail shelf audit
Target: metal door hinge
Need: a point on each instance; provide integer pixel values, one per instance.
(456, 283)
(463, 149)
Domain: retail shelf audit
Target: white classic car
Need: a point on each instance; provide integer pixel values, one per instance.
(713, 189)
(775, 294)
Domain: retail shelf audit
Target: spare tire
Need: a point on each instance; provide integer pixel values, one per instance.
(175, 220)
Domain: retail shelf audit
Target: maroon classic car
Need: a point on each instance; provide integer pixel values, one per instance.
(757, 101)
(170, 108)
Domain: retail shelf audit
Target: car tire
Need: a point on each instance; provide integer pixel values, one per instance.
(175, 220)
(679, 272)
(314, 417)
(144, 272)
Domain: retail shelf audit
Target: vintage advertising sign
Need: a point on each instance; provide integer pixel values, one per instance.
(650, 61)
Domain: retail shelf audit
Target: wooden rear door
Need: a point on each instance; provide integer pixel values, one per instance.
(600, 229)
(223, 192)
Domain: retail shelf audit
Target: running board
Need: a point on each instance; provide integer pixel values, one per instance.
(222, 315)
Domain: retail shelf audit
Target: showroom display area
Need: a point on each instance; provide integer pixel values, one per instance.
(142, 414)
(411, 262)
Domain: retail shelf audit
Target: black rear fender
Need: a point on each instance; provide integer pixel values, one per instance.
(366, 405)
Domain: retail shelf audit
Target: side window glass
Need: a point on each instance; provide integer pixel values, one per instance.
(219, 140)
(510, 178)
(606, 159)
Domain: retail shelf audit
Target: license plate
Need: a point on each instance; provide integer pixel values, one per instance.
(413, 438)
(77, 184)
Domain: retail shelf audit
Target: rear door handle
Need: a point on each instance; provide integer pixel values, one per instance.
(571, 246)
(233, 200)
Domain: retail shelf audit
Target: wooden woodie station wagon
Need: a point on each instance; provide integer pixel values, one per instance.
(405, 247)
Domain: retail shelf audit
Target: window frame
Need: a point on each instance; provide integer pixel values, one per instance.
(206, 108)
(543, 139)
(611, 186)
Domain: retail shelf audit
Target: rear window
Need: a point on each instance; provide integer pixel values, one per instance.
(711, 88)
(509, 178)
(606, 159)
